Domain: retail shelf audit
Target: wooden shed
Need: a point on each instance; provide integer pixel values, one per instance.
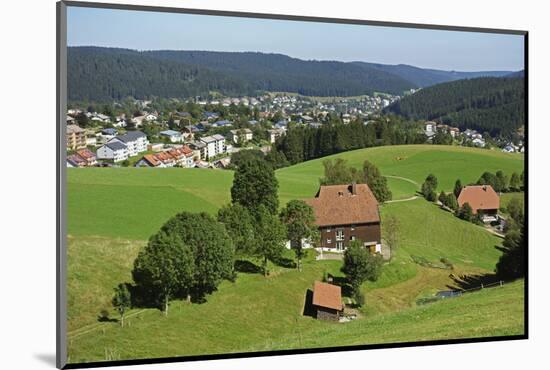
(327, 301)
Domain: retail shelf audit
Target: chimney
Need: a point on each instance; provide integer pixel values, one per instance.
(353, 187)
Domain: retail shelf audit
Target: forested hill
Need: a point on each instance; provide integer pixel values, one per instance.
(101, 74)
(495, 105)
(104, 74)
(423, 77)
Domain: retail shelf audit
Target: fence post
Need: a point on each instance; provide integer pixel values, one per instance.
(501, 283)
(481, 285)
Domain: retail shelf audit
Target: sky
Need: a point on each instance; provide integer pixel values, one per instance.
(448, 50)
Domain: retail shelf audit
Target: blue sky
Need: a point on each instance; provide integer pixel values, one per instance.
(449, 50)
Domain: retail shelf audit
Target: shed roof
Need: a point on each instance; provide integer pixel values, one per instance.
(479, 197)
(327, 295)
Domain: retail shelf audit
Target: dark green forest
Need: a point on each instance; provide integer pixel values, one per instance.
(304, 143)
(494, 105)
(423, 77)
(104, 74)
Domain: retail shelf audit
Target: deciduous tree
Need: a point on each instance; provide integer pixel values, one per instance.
(299, 219)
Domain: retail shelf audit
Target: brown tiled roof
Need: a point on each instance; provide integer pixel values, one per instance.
(86, 154)
(327, 295)
(187, 151)
(152, 160)
(479, 197)
(337, 205)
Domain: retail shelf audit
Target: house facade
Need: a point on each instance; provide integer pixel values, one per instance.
(240, 136)
(173, 136)
(135, 141)
(215, 145)
(345, 213)
(114, 151)
(76, 137)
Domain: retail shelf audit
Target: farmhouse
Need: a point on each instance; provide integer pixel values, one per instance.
(327, 301)
(76, 137)
(135, 141)
(344, 213)
(483, 200)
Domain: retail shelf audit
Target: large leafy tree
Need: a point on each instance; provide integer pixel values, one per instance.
(270, 237)
(360, 265)
(240, 227)
(165, 267)
(377, 183)
(211, 246)
(255, 185)
(300, 224)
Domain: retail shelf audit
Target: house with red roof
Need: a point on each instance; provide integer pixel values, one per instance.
(483, 199)
(345, 213)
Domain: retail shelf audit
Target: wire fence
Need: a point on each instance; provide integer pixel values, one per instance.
(457, 293)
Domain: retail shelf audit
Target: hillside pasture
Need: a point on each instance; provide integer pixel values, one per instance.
(134, 202)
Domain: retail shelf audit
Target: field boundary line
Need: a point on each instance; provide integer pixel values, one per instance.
(89, 328)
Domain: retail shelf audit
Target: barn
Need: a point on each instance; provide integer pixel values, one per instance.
(327, 301)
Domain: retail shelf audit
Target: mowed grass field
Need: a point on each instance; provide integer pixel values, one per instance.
(113, 212)
(134, 202)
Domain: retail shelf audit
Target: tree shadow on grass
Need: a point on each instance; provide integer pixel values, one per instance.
(472, 282)
(285, 262)
(104, 317)
(247, 267)
(343, 283)
(309, 309)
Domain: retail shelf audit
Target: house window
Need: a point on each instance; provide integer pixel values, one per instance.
(328, 230)
(352, 237)
(339, 246)
(352, 227)
(329, 241)
(339, 235)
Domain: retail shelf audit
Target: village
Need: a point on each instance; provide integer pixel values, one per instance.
(207, 136)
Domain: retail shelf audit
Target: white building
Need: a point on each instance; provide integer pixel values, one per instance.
(430, 126)
(115, 151)
(243, 135)
(173, 136)
(135, 141)
(215, 145)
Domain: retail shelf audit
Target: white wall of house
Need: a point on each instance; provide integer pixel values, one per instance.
(104, 152)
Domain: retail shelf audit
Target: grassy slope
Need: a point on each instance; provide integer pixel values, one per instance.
(255, 313)
(415, 162)
(264, 314)
(490, 312)
(134, 202)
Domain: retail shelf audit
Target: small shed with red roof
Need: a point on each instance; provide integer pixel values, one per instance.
(327, 301)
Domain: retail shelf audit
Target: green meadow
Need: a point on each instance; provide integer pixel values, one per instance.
(112, 212)
(134, 202)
